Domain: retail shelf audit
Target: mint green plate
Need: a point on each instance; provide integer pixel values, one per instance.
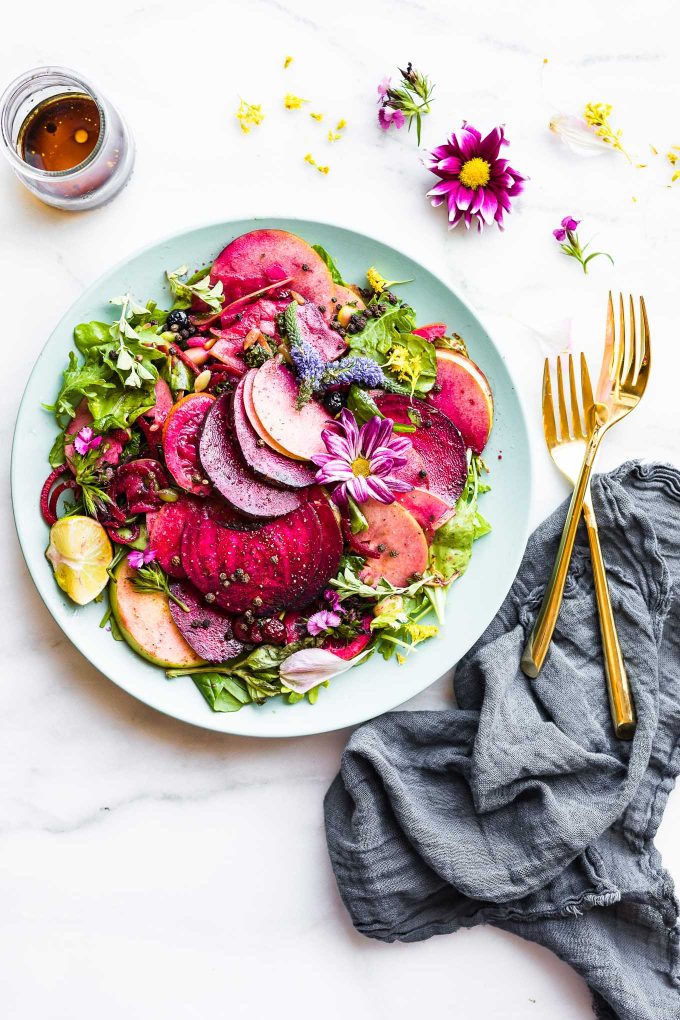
(367, 690)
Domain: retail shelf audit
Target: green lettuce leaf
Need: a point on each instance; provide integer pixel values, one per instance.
(336, 275)
(451, 548)
(222, 692)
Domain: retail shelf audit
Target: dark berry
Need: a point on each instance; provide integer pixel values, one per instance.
(177, 317)
(334, 402)
(274, 631)
(255, 635)
(241, 630)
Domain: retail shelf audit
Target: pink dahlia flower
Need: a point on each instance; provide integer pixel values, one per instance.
(362, 459)
(474, 182)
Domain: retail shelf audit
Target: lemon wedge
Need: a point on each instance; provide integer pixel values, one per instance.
(79, 551)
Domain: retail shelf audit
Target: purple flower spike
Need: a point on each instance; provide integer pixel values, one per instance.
(474, 182)
(361, 460)
(140, 557)
(86, 441)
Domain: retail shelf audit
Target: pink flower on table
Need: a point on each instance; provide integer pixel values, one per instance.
(140, 557)
(361, 460)
(388, 118)
(568, 223)
(474, 182)
(321, 621)
(383, 88)
(86, 441)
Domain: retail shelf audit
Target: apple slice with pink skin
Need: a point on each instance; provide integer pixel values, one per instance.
(395, 535)
(465, 397)
(429, 509)
(296, 431)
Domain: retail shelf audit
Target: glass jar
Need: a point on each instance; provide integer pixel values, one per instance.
(100, 176)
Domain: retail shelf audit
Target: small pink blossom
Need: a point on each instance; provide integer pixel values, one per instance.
(383, 87)
(388, 118)
(333, 599)
(86, 441)
(140, 557)
(321, 621)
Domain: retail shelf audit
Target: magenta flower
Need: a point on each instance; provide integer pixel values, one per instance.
(321, 621)
(333, 599)
(474, 182)
(390, 118)
(140, 557)
(362, 459)
(568, 223)
(86, 441)
(383, 88)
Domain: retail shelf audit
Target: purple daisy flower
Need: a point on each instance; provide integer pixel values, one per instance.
(140, 557)
(362, 459)
(474, 182)
(86, 441)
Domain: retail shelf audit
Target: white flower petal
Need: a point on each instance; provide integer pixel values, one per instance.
(578, 136)
(313, 666)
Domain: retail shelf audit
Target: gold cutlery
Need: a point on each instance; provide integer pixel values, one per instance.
(623, 379)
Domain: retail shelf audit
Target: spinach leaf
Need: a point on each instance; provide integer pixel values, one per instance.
(223, 693)
(451, 548)
(390, 341)
(336, 275)
(414, 361)
(378, 335)
(57, 456)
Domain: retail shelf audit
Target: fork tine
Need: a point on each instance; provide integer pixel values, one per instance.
(643, 353)
(577, 426)
(631, 351)
(562, 403)
(607, 367)
(620, 346)
(586, 392)
(548, 411)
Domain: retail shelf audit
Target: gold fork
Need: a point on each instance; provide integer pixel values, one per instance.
(622, 382)
(567, 447)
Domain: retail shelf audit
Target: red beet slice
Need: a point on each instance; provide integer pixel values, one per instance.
(262, 460)
(181, 436)
(315, 329)
(331, 547)
(436, 439)
(273, 567)
(151, 423)
(206, 629)
(237, 323)
(220, 459)
(166, 528)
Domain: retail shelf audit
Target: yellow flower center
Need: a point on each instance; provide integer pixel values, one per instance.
(475, 173)
(361, 466)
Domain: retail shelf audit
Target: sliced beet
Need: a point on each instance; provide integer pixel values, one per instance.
(436, 439)
(348, 649)
(262, 460)
(135, 486)
(271, 568)
(237, 322)
(331, 546)
(317, 332)
(205, 628)
(165, 528)
(152, 421)
(181, 436)
(219, 455)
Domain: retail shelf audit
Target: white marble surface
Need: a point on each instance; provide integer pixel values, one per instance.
(148, 869)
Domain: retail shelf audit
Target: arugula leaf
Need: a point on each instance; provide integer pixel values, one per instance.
(451, 548)
(336, 275)
(57, 455)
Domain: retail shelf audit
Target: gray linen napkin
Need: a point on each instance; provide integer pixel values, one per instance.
(519, 808)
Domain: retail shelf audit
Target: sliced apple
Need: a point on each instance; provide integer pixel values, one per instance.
(429, 509)
(399, 541)
(465, 396)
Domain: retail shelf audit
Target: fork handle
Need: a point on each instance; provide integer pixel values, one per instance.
(541, 635)
(620, 696)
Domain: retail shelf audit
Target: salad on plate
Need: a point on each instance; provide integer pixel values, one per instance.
(272, 478)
